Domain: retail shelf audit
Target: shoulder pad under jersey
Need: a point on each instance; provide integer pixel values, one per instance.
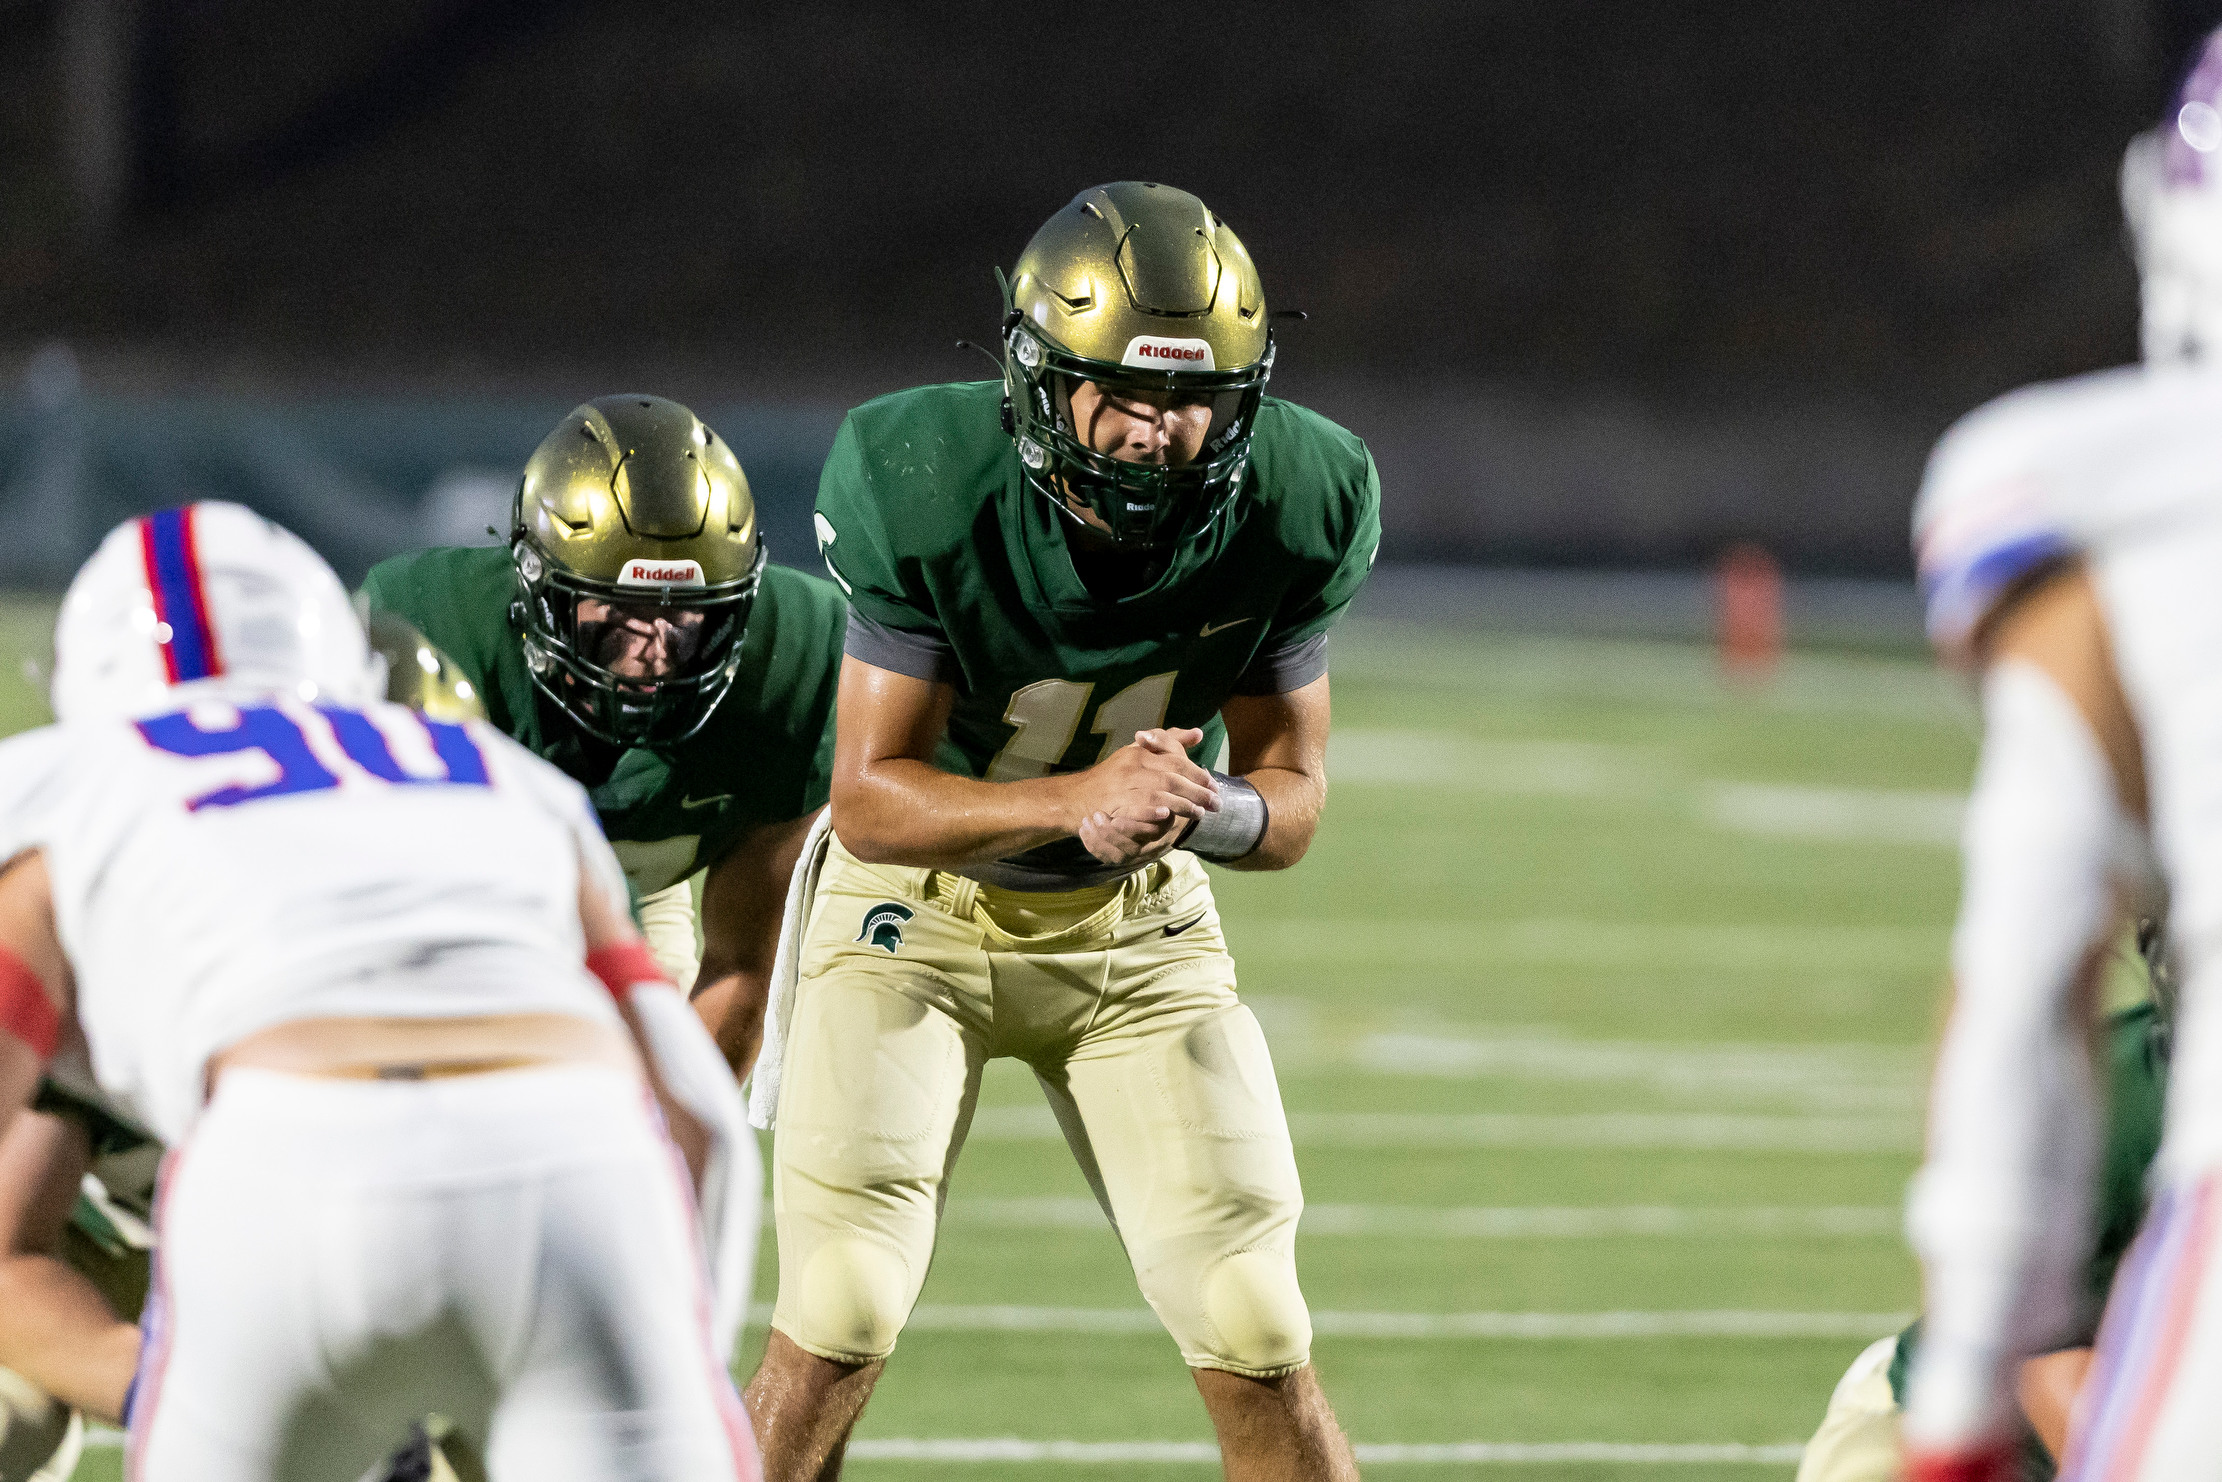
(2053, 470)
(29, 763)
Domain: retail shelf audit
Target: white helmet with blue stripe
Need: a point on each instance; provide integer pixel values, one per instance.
(207, 600)
(2172, 198)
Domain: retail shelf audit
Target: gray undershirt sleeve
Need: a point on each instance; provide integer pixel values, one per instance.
(1276, 671)
(901, 650)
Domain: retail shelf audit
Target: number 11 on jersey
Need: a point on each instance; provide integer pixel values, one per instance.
(1047, 716)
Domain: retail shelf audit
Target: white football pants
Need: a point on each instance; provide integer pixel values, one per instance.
(513, 1250)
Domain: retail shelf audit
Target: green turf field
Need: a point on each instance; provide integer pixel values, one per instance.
(1600, 1009)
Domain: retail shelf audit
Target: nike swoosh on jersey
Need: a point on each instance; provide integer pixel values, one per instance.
(1211, 628)
(1174, 931)
(723, 797)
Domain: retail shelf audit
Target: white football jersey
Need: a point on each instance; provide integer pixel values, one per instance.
(2123, 470)
(2057, 469)
(221, 869)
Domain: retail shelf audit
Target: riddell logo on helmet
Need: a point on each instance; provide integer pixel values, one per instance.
(639, 573)
(1174, 355)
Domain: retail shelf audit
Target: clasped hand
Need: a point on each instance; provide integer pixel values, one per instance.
(1137, 802)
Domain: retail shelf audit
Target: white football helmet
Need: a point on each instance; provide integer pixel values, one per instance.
(2172, 198)
(207, 600)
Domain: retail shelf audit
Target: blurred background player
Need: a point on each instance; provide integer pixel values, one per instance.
(2068, 535)
(1859, 1440)
(77, 1176)
(412, 1081)
(633, 635)
(418, 674)
(1116, 572)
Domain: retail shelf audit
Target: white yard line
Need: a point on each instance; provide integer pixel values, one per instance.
(1562, 1325)
(1843, 814)
(1652, 1452)
(1836, 1078)
(1611, 945)
(1483, 1223)
(1680, 676)
(1697, 1132)
(1632, 1131)
(1454, 761)
(1205, 1453)
(1463, 763)
(1524, 1326)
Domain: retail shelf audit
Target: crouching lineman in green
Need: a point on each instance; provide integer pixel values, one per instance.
(633, 635)
(1077, 588)
(1859, 1439)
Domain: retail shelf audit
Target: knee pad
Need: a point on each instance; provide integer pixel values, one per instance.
(39, 1436)
(849, 1300)
(1256, 1315)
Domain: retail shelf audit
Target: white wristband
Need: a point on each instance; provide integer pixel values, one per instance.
(1235, 829)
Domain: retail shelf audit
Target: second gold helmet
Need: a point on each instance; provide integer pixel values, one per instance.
(635, 505)
(418, 674)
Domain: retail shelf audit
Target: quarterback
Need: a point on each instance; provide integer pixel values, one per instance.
(1086, 649)
(371, 976)
(634, 635)
(2068, 537)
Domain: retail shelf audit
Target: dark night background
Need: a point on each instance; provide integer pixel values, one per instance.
(1601, 281)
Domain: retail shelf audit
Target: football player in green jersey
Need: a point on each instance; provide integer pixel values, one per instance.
(1075, 592)
(1858, 1440)
(633, 634)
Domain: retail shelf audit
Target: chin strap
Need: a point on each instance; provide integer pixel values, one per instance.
(1236, 829)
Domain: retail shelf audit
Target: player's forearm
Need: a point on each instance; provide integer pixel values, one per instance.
(1998, 1210)
(686, 1130)
(731, 1004)
(744, 900)
(57, 1332)
(1292, 801)
(2048, 1386)
(1278, 744)
(902, 811)
(20, 1068)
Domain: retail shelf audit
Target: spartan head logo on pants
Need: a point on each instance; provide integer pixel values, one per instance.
(883, 925)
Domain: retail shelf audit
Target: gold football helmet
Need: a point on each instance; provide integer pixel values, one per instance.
(634, 518)
(1136, 287)
(418, 675)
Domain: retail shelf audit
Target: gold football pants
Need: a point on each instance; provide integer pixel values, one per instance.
(1121, 998)
(1858, 1438)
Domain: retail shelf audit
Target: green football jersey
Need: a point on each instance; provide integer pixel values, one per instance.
(2137, 1094)
(765, 756)
(958, 571)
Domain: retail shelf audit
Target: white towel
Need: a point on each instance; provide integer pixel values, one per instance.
(802, 889)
